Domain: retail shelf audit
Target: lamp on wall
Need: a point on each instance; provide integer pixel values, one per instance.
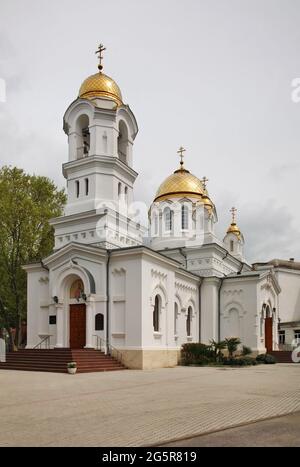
(83, 296)
(55, 299)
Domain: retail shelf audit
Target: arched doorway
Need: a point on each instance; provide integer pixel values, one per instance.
(268, 329)
(77, 316)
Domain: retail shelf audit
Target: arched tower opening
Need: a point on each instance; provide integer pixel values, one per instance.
(83, 137)
(123, 142)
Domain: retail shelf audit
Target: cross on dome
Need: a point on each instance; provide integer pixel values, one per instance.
(99, 51)
(233, 211)
(180, 151)
(204, 182)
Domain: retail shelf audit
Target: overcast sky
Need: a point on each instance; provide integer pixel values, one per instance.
(211, 75)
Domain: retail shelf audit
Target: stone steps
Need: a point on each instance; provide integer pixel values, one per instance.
(56, 360)
(282, 356)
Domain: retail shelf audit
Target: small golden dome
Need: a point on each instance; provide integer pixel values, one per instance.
(233, 228)
(100, 85)
(180, 183)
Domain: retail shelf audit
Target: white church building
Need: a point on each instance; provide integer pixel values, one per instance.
(145, 290)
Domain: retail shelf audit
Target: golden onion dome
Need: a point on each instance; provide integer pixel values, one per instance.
(100, 85)
(180, 183)
(233, 228)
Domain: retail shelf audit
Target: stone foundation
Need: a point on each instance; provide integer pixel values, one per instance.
(149, 359)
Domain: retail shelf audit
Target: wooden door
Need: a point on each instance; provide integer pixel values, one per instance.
(77, 326)
(269, 334)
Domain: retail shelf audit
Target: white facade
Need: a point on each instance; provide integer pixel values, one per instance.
(101, 280)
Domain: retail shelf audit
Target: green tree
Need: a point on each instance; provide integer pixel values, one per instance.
(217, 348)
(232, 344)
(27, 202)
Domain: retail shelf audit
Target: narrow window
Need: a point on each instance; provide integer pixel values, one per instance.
(189, 321)
(126, 194)
(77, 188)
(175, 318)
(156, 314)
(281, 337)
(86, 186)
(99, 322)
(297, 336)
(119, 189)
(168, 219)
(184, 217)
(231, 245)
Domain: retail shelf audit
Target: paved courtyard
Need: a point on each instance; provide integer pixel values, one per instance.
(139, 408)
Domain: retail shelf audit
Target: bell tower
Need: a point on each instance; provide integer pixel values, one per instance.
(234, 239)
(101, 131)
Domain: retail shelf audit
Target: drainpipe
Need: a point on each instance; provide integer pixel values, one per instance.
(199, 305)
(219, 307)
(107, 301)
(219, 299)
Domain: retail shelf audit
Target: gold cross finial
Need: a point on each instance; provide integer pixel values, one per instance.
(180, 151)
(99, 51)
(233, 213)
(204, 182)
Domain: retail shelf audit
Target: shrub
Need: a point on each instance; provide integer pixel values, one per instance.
(261, 358)
(232, 344)
(241, 361)
(196, 353)
(270, 360)
(266, 358)
(217, 348)
(246, 351)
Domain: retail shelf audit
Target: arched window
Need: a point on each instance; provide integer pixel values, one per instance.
(119, 189)
(126, 194)
(123, 142)
(156, 312)
(231, 245)
(168, 219)
(86, 186)
(189, 321)
(184, 217)
(175, 318)
(77, 188)
(99, 322)
(83, 136)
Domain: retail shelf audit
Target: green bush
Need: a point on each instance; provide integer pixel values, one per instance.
(246, 351)
(232, 344)
(270, 360)
(261, 358)
(196, 354)
(266, 358)
(241, 361)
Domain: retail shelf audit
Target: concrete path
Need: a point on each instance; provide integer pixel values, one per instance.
(276, 432)
(140, 408)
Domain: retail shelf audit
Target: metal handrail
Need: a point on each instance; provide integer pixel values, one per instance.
(108, 348)
(47, 343)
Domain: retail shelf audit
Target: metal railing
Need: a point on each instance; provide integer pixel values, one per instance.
(108, 349)
(45, 341)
